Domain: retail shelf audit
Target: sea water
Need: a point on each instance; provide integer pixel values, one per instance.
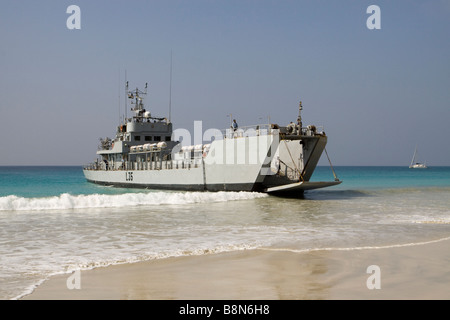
(53, 221)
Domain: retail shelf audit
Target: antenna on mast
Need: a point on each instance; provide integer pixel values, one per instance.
(170, 89)
(118, 89)
(126, 94)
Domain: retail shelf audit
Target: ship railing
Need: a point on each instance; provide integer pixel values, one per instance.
(145, 165)
(284, 170)
(270, 129)
(312, 130)
(160, 164)
(292, 174)
(249, 131)
(289, 172)
(156, 165)
(90, 166)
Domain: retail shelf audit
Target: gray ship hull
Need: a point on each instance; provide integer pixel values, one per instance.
(169, 180)
(261, 163)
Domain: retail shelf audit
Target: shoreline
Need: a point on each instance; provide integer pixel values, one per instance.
(408, 272)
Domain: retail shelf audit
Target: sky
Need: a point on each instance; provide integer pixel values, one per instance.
(377, 92)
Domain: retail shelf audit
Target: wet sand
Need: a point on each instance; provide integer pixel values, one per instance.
(408, 272)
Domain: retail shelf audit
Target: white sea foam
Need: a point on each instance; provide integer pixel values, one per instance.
(68, 201)
(356, 248)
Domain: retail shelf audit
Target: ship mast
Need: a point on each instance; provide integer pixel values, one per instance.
(137, 96)
(299, 119)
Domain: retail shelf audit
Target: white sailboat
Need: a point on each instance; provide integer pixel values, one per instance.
(416, 165)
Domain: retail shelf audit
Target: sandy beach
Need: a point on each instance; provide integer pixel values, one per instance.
(406, 272)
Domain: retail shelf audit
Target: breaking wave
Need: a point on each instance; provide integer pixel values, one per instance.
(68, 201)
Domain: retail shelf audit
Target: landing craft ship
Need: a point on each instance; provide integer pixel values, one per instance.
(262, 158)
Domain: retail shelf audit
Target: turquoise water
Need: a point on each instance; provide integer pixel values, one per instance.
(386, 177)
(52, 221)
(41, 181)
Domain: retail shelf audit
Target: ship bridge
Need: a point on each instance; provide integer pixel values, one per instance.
(139, 129)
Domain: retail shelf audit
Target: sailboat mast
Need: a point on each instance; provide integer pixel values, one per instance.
(414, 156)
